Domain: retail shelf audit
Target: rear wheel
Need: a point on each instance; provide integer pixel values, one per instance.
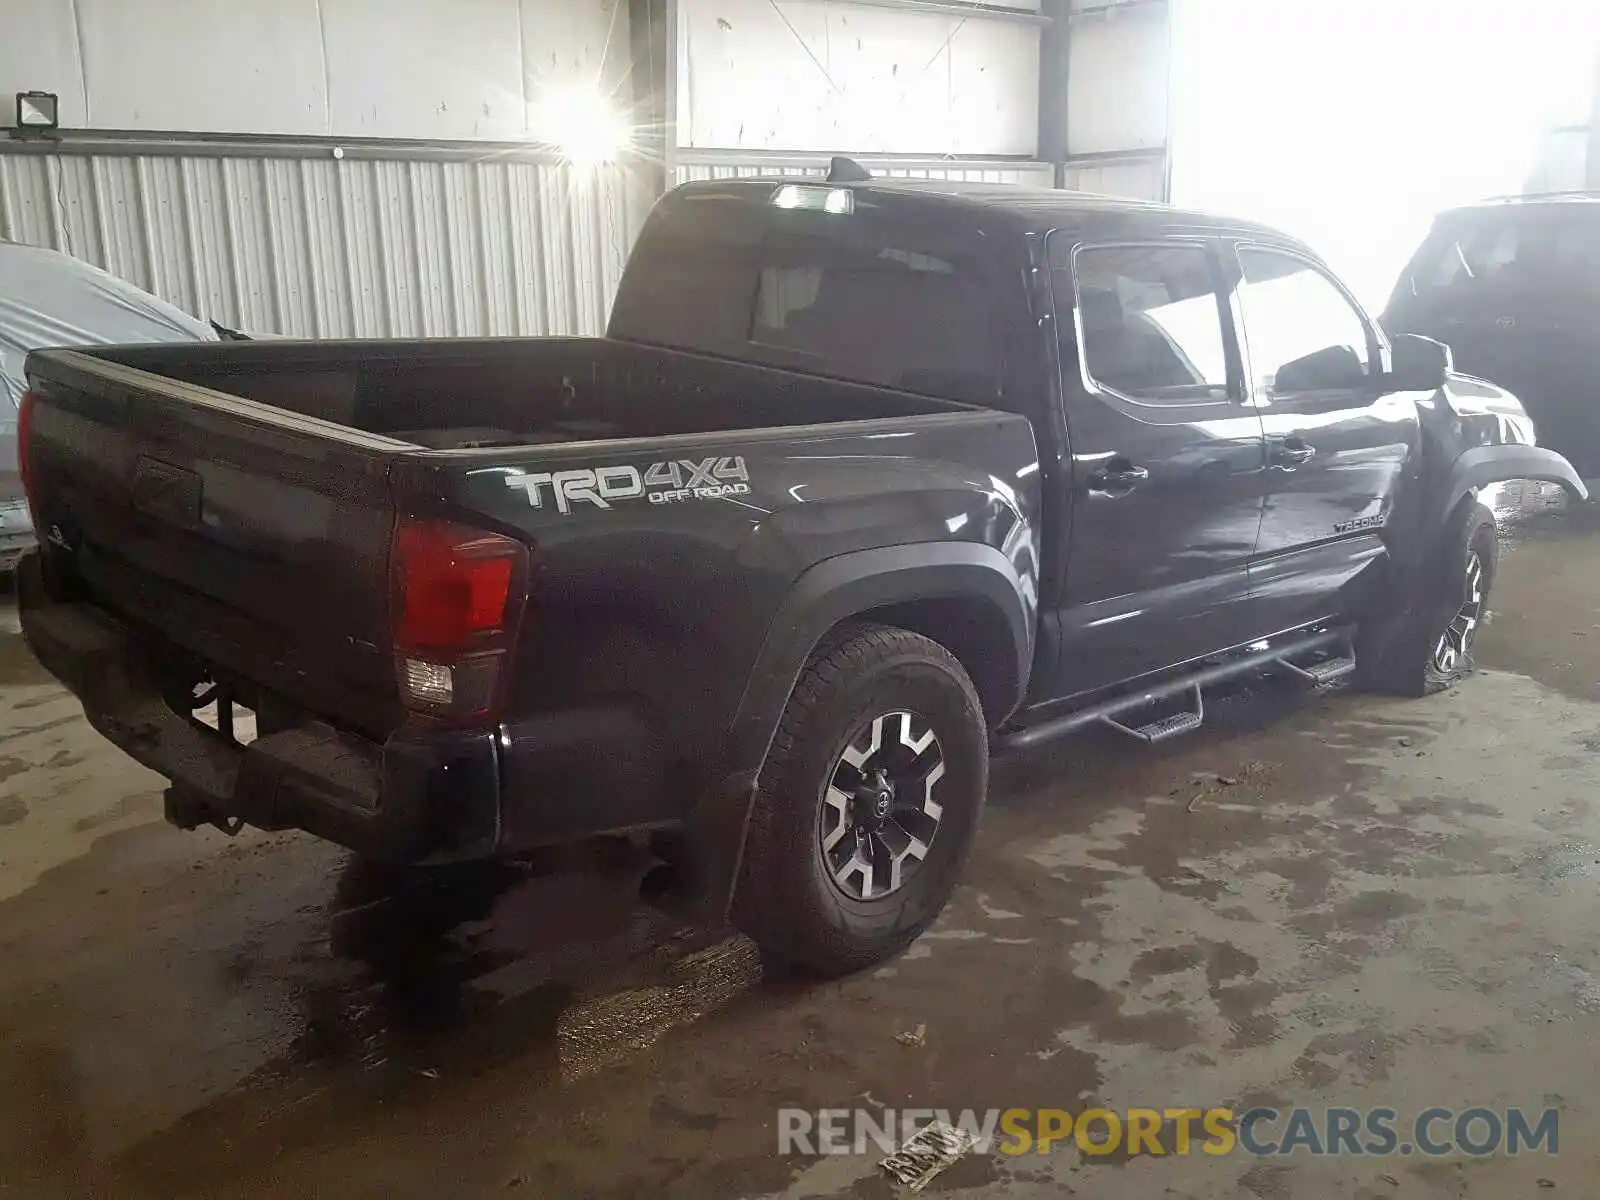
(1429, 647)
(867, 803)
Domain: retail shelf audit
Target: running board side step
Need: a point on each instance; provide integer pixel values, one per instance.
(1329, 669)
(1165, 727)
(1106, 712)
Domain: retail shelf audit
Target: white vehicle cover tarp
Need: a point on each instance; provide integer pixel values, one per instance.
(52, 299)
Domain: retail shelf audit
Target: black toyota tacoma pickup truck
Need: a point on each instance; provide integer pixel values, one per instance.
(865, 479)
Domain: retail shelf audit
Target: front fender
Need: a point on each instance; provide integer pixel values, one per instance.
(1476, 468)
(1483, 465)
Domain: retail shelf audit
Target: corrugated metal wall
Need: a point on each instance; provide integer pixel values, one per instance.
(319, 247)
(1138, 178)
(1027, 174)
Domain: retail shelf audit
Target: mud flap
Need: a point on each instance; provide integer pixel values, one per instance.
(713, 849)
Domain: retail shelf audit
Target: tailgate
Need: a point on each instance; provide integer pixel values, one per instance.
(256, 538)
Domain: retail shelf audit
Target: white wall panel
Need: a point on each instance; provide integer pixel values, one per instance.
(39, 52)
(422, 69)
(202, 66)
(566, 43)
(1117, 82)
(353, 248)
(443, 70)
(808, 75)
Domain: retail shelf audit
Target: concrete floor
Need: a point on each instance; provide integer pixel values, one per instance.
(1394, 904)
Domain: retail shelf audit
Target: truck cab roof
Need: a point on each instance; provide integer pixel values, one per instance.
(911, 284)
(1008, 207)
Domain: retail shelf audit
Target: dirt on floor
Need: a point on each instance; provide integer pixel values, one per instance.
(1322, 899)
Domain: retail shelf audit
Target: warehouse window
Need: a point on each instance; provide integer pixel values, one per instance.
(1152, 324)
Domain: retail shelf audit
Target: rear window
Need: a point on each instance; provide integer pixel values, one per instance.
(1551, 247)
(890, 315)
(852, 296)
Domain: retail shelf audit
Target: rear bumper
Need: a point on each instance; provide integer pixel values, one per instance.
(388, 801)
(422, 794)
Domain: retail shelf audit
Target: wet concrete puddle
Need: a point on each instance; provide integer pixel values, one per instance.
(1323, 898)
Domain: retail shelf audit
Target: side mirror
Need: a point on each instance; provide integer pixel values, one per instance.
(1321, 370)
(1418, 364)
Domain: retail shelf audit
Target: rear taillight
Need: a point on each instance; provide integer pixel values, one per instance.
(458, 597)
(24, 437)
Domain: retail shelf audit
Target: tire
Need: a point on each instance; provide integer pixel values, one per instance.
(815, 893)
(1429, 647)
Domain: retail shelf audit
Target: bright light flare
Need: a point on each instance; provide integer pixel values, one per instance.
(1407, 107)
(583, 124)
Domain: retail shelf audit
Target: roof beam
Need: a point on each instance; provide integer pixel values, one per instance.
(954, 8)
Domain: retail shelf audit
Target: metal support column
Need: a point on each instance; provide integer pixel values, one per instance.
(652, 30)
(1055, 48)
(1591, 173)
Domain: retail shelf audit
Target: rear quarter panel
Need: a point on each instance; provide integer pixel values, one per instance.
(662, 596)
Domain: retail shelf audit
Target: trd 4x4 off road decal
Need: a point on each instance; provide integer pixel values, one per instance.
(662, 482)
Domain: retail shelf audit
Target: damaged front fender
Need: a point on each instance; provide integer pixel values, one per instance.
(1483, 465)
(1474, 434)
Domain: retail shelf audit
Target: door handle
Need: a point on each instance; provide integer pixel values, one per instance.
(1118, 478)
(1291, 452)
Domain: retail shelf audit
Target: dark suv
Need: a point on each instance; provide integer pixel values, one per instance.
(1513, 287)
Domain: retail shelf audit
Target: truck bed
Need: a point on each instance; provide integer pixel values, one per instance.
(239, 499)
(520, 391)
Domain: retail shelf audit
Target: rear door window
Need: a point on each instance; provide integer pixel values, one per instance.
(1152, 325)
